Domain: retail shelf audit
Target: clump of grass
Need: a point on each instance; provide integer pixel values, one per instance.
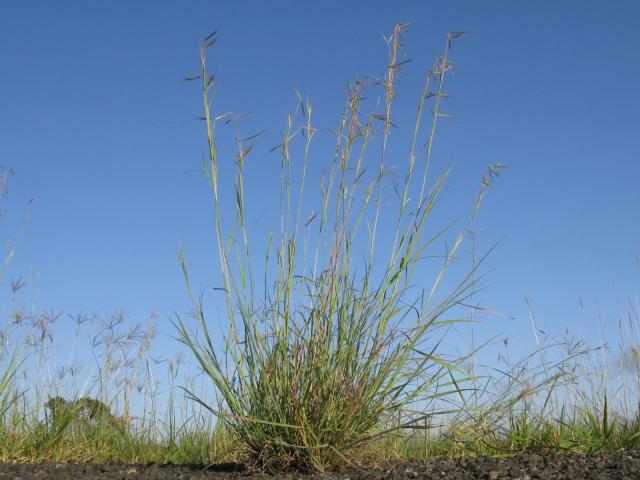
(329, 355)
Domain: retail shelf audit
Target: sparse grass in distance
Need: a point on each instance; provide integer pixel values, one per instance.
(332, 353)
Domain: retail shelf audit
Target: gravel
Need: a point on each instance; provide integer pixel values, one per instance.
(609, 465)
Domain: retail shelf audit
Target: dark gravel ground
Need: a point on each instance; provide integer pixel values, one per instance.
(619, 465)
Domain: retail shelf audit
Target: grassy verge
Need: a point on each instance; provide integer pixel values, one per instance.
(333, 350)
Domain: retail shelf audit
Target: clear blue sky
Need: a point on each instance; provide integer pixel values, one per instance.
(98, 125)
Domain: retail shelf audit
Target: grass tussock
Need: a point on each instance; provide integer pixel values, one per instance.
(331, 350)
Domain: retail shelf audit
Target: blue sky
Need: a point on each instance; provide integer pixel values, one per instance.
(98, 125)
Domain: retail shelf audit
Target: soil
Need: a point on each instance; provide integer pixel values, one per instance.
(609, 465)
